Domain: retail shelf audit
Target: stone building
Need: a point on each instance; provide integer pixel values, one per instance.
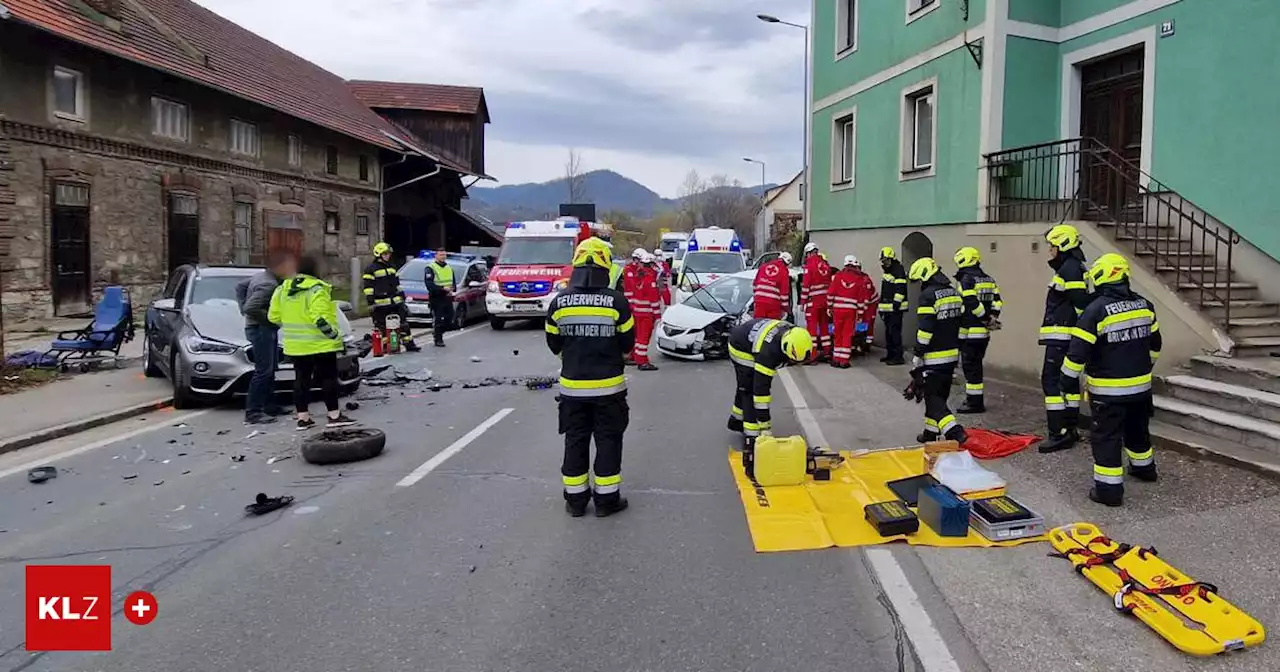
(138, 135)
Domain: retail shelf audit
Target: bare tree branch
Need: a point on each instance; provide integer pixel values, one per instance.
(575, 178)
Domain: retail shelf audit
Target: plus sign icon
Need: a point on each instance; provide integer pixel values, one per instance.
(140, 607)
(68, 607)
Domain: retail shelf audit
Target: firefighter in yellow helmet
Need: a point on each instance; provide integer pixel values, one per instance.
(1116, 343)
(1067, 297)
(982, 306)
(758, 349)
(382, 291)
(937, 349)
(590, 327)
(893, 303)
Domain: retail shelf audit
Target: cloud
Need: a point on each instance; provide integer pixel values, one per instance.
(649, 88)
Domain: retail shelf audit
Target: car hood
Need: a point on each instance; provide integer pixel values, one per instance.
(689, 317)
(220, 320)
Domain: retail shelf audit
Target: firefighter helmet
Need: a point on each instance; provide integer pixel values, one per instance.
(923, 269)
(797, 344)
(593, 252)
(380, 249)
(1064, 237)
(968, 256)
(888, 253)
(1108, 268)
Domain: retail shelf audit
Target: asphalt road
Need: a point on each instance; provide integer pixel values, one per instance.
(473, 567)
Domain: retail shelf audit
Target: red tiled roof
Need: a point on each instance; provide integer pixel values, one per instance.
(430, 97)
(238, 61)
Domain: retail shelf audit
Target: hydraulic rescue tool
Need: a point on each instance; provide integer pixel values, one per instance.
(787, 460)
(1187, 613)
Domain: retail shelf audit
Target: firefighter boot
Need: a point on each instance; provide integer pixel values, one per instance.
(1146, 473)
(972, 405)
(607, 505)
(576, 504)
(1107, 495)
(749, 456)
(1062, 441)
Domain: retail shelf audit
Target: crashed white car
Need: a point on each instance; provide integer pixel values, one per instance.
(697, 327)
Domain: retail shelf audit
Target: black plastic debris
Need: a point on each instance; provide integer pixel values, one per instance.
(129, 477)
(516, 353)
(263, 504)
(237, 458)
(441, 386)
(540, 382)
(470, 386)
(223, 432)
(353, 405)
(41, 474)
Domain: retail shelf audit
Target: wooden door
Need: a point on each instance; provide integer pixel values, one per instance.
(69, 218)
(184, 230)
(1111, 113)
(289, 240)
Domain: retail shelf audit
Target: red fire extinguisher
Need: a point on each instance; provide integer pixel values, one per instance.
(378, 349)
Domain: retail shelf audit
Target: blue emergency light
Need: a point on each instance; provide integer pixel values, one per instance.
(425, 254)
(736, 245)
(515, 225)
(692, 245)
(571, 225)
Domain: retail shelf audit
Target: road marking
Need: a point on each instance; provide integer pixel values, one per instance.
(924, 635)
(455, 448)
(167, 421)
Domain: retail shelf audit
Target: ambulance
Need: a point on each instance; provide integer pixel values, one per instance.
(533, 266)
(710, 254)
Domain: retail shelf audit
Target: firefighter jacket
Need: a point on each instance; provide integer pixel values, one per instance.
(439, 280)
(982, 302)
(1116, 342)
(591, 329)
(1067, 297)
(382, 284)
(938, 323)
(772, 283)
(852, 290)
(816, 281)
(758, 344)
(893, 288)
(303, 307)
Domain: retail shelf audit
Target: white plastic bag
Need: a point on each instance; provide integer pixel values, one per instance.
(960, 472)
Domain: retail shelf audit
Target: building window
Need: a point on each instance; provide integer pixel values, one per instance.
(68, 94)
(71, 195)
(331, 222)
(295, 150)
(364, 168)
(170, 119)
(847, 26)
(331, 160)
(844, 142)
(244, 138)
(362, 225)
(918, 8)
(242, 245)
(919, 129)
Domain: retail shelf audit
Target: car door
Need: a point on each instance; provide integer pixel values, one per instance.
(476, 280)
(767, 256)
(168, 316)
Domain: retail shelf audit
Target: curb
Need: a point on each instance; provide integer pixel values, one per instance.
(60, 431)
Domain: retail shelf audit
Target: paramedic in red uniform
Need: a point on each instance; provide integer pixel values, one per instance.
(772, 288)
(848, 300)
(630, 280)
(664, 276)
(869, 297)
(646, 307)
(813, 296)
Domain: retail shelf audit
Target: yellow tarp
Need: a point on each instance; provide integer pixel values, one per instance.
(822, 514)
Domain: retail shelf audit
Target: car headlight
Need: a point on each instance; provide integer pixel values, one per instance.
(493, 287)
(200, 345)
(561, 285)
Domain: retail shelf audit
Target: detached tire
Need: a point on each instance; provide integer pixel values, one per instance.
(335, 446)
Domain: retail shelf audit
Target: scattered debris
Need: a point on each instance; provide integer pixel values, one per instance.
(182, 454)
(278, 458)
(540, 382)
(237, 458)
(256, 432)
(181, 425)
(165, 461)
(470, 386)
(264, 504)
(180, 507)
(516, 353)
(158, 483)
(186, 472)
(475, 359)
(41, 474)
(471, 569)
(223, 432)
(374, 397)
(129, 477)
(187, 433)
(173, 441)
(441, 386)
(353, 405)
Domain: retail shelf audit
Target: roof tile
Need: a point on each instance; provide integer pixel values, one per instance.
(430, 97)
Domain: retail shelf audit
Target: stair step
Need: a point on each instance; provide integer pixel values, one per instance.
(1254, 327)
(1160, 242)
(1239, 290)
(1241, 308)
(1172, 437)
(1193, 273)
(1130, 226)
(1246, 401)
(1257, 346)
(1181, 254)
(1259, 373)
(1234, 427)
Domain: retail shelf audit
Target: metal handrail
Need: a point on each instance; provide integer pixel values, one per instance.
(1085, 179)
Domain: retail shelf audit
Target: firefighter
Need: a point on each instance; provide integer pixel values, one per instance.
(384, 295)
(758, 348)
(982, 306)
(1116, 342)
(438, 277)
(591, 328)
(893, 303)
(847, 307)
(771, 289)
(664, 276)
(937, 348)
(646, 307)
(1067, 297)
(814, 286)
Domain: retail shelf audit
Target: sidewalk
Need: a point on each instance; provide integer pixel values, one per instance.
(1023, 610)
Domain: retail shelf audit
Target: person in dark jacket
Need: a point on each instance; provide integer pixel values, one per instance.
(441, 285)
(1116, 343)
(893, 303)
(937, 348)
(758, 348)
(385, 296)
(590, 327)
(1067, 297)
(982, 306)
(254, 295)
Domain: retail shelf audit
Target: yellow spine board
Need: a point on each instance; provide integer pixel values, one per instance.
(1201, 625)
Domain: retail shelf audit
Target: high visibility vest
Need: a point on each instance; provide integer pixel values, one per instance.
(305, 311)
(615, 272)
(443, 275)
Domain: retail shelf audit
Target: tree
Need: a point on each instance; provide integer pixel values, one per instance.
(719, 201)
(575, 178)
(690, 195)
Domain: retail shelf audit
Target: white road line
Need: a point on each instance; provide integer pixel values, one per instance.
(455, 448)
(925, 638)
(167, 421)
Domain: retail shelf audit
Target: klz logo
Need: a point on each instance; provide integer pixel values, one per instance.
(68, 608)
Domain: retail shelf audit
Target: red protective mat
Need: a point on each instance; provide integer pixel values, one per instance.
(990, 444)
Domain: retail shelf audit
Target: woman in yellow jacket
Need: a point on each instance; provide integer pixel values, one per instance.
(303, 307)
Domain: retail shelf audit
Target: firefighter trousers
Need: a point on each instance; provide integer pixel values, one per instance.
(755, 416)
(1120, 427)
(767, 308)
(893, 334)
(972, 352)
(644, 334)
(818, 322)
(606, 419)
(380, 313)
(1061, 393)
(938, 419)
(846, 324)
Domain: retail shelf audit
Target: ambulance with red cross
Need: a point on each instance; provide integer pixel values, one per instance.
(533, 266)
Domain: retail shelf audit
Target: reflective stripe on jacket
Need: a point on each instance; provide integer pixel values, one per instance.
(591, 329)
(938, 322)
(1116, 343)
(303, 307)
(381, 284)
(982, 302)
(893, 288)
(437, 278)
(1067, 297)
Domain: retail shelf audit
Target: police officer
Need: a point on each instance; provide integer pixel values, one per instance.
(438, 277)
(982, 306)
(937, 348)
(590, 327)
(1067, 297)
(758, 349)
(384, 295)
(893, 303)
(1116, 343)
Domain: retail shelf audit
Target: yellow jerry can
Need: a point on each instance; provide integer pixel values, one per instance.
(781, 460)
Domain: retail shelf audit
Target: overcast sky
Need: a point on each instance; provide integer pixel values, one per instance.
(649, 88)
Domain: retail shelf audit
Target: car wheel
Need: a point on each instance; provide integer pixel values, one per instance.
(149, 367)
(349, 444)
(497, 323)
(460, 317)
(182, 396)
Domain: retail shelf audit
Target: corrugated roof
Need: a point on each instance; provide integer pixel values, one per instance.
(408, 96)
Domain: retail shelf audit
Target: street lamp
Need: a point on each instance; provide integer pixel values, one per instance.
(762, 235)
(808, 96)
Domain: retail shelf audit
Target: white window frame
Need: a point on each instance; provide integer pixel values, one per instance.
(238, 147)
(81, 112)
(847, 44)
(844, 131)
(159, 105)
(921, 12)
(910, 168)
(295, 151)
